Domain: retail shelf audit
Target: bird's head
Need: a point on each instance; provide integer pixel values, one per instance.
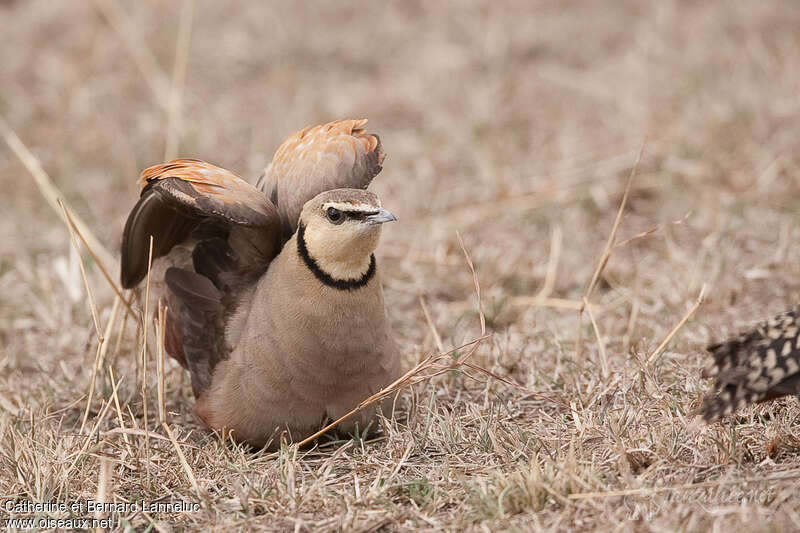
(339, 230)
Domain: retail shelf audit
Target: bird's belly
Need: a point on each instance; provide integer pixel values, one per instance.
(292, 385)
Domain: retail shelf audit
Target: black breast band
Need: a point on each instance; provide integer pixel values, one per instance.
(324, 277)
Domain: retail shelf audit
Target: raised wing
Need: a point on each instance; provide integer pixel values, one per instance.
(228, 232)
(759, 365)
(180, 195)
(316, 159)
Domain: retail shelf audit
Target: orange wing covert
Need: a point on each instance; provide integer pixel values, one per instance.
(339, 138)
(319, 158)
(207, 180)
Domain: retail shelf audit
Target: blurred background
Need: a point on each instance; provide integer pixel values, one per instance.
(515, 123)
(500, 119)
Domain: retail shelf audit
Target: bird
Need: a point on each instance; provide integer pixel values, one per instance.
(758, 365)
(271, 293)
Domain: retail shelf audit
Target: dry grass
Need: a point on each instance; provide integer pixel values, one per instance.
(513, 123)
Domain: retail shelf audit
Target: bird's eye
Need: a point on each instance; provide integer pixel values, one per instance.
(335, 216)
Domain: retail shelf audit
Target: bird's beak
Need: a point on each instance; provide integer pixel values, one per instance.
(380, 217)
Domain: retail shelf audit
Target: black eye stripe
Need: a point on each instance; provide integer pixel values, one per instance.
(355, 215)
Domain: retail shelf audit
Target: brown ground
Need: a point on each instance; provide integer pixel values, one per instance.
(514, 123)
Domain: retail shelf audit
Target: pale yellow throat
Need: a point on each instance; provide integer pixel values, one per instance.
(342, 253)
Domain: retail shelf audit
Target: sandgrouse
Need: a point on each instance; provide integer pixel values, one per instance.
(759, 365)
(272, 294)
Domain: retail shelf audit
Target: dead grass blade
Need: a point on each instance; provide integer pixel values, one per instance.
(435, 332)
(92, 381)
(542, 298)
(647, 233)
(601, 264)
(475, 281)
(678, 326)
(103, 488)
(604, 257)
(115, 397)
(174, 110)
(552, 264)
(88, 440)
(132, 431)
(110, 327)
(182, 458)
(92, 304)
(601, 345)
(162, 410)
(102, 346)
(145, 321)
(152, 73)
(517, 386)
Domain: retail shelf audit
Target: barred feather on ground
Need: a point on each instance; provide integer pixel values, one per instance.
(757, 366)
